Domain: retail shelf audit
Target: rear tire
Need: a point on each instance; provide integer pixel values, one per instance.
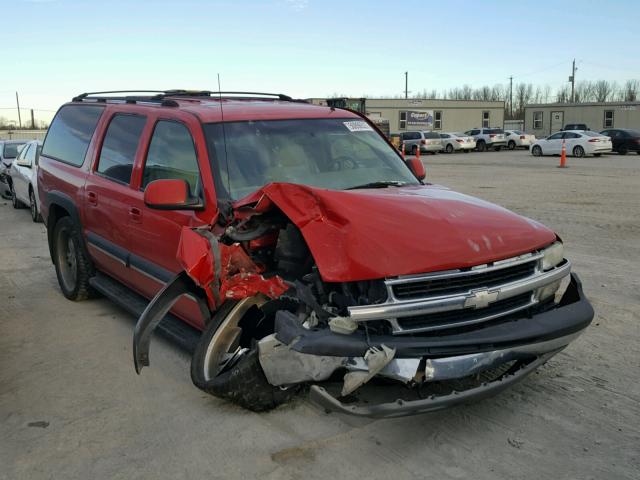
(578, 151)
(449, 148)
(623, 151)
(15, 203)
(244, 383)
(512, 145)
(481, 147)
(73, 268)
(536, 151)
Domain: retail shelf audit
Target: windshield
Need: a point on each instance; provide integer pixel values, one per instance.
(328, 153)
(11, 150)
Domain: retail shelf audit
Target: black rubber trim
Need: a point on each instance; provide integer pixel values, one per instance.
(109, 247)
(401, 408)
(558, 322)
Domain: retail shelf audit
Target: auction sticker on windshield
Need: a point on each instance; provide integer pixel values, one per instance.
(358, 126)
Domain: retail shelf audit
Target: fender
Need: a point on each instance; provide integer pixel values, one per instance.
(180, 285)
(60, 199)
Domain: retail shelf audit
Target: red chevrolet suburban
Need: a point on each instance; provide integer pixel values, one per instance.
(290, 248)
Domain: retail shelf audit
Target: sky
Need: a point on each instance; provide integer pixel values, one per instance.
(55, 49)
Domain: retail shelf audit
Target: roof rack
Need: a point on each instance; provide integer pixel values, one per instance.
(163, 97)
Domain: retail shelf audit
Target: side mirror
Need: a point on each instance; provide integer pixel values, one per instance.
(416, 167)
(170, 194)
(24, 163)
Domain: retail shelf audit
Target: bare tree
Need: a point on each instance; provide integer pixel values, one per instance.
(523, 93)
(630, 91)
(497, 92)
(563, 94)
(602, 90)
(584, 92)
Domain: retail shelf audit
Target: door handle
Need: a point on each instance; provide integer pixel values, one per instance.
(135, 214)
(92, 198)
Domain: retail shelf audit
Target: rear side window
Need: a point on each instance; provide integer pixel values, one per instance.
(431, 135)
(70, 133)
(172, 155)
(119, 147)
(11, 150)
(494, 130)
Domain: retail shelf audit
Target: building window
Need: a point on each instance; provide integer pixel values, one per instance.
(485, 119)
(437, 120)
(403, 120)
(537, 120)
(608, 118)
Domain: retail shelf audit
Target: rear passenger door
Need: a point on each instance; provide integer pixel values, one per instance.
(171, 153)
(108, 194)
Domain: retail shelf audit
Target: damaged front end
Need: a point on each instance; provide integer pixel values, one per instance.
(391, 346)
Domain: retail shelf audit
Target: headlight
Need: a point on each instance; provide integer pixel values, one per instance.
(553, 256)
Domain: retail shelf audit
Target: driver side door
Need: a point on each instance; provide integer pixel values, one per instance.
(554, 144)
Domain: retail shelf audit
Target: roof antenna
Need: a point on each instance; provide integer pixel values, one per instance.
(224, 138)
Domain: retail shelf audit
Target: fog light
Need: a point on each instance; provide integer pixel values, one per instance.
(555, 289)
(553, 256)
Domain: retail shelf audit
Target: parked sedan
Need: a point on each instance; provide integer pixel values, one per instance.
(578, 143)
(624, 140)
(9, 150)
(518, 139)
(23, 178)
(453, 142)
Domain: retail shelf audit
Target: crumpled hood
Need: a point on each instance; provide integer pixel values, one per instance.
(375, 233)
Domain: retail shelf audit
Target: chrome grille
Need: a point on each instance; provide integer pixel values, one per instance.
(462, 283)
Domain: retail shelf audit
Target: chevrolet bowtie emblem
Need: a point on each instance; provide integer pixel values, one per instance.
(480, 299)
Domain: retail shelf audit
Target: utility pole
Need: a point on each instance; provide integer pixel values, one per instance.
(511, 97)
(18, 104)
(33, 121)
(572, 79)
(406, 85)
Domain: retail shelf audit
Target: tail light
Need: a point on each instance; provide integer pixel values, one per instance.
(491, 135)
(423, 142)
(594, 140)
(459, 140)
(522, 137)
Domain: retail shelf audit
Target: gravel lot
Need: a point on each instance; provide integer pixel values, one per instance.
(72, 407)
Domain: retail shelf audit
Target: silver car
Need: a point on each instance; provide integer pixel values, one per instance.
(9, 149)
(424, 140)
(453, 142)
(23, 179)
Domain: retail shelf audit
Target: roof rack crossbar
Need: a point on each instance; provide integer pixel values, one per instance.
(161, 95)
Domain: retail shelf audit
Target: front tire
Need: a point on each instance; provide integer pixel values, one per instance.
(481, 147)
(512, 145)
(73, 268)
(578, 151)
(449, 148)
(226, 364)
(623, 151)
(33, 206)
(536, 151)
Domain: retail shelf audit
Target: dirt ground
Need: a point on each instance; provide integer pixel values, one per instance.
(72, 407)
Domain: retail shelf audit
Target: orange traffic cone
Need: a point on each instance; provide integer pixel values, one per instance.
(563, 155)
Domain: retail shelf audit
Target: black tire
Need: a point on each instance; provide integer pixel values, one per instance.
(536, 151)
(481, 146)
(33, 206)
(449, 148)
(578, 151)
(512, 145)
(244, 383)
(14, 200)
(623, 150)
(73, 268)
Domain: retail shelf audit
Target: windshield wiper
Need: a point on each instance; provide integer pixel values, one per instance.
(380, 184)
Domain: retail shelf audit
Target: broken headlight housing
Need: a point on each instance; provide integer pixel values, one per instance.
(553, 256)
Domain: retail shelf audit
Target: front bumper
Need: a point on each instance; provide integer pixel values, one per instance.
(530, 340)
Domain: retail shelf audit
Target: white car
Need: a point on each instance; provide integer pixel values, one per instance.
(454, 141)
(518, 139)
(23, 175)
(578, 144)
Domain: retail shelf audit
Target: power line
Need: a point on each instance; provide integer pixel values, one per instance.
(543, 69)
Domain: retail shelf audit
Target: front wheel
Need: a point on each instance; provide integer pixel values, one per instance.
(226, 360)
(481, 147)
(449, 148)
(623, 151)
(578, 151)
(35, 214)
(536, 151)
(73, 268)
(512, 145)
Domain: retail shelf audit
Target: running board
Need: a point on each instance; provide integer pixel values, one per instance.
(171, 327)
